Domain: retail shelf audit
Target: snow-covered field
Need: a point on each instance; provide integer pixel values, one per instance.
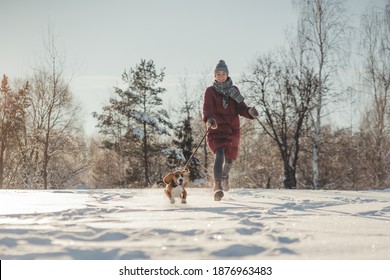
(246, 224)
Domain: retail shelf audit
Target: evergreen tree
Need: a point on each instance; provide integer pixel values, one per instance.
(184, 141)
(136, 117)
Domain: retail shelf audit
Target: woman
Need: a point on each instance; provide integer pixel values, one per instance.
(222, 106)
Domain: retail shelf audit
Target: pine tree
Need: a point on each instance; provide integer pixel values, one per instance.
(138, 114)
(184, 141)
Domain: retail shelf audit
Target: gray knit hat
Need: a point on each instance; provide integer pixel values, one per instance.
(221, 66)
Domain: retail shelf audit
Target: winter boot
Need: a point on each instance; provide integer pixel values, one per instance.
(218, 193)
(225, 183)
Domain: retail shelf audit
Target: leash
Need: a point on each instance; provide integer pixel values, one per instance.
(196, 149)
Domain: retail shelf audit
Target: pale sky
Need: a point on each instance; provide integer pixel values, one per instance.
(102, 38)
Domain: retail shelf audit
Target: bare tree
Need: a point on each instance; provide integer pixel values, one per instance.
(52, 115)
(285, 95)
(375, 41)
(13, 106)
(322, 31)
(202, 83)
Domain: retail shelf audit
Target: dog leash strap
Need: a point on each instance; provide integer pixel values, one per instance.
(196, 149)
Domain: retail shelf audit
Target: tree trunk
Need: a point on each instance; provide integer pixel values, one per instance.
(45, 161)
(2, 150)
(290, 181)
(145, 152)
(316, 136)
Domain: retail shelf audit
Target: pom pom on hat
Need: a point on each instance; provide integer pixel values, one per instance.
(221, 66)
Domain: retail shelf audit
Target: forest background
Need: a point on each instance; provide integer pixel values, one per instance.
(327, 65)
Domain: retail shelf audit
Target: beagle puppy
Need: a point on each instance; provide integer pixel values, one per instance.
(174, 186)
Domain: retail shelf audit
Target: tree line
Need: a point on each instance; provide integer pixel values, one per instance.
(290, 145)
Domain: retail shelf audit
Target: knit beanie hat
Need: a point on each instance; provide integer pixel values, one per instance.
(221, 66)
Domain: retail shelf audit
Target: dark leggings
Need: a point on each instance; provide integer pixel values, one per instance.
(222, 165)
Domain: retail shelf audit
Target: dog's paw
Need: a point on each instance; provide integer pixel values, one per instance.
(172, 200)
(183, 201)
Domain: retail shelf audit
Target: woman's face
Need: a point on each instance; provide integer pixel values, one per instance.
(220, 76)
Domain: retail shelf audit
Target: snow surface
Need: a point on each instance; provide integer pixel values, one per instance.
(246, 224)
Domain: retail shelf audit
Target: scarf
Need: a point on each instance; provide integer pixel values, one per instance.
(228, 90)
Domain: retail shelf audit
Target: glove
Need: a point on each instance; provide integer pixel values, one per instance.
(211, 123)
(253, 112)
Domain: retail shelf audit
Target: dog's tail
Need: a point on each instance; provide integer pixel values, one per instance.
(158, 184)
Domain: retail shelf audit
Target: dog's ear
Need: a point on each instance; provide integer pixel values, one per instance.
(168, 178)
(186, 170)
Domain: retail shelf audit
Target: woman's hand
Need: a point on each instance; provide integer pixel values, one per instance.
(211, 123)
(253, 112)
